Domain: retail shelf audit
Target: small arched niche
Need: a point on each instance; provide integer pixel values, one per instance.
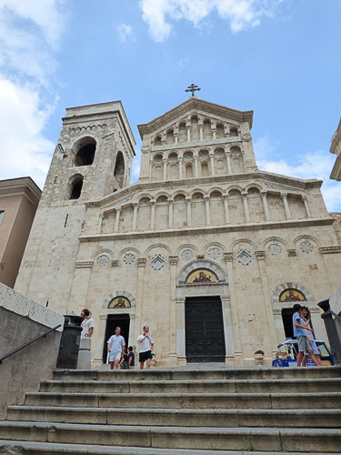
(85, 151)
(75, 186)
(119, 169)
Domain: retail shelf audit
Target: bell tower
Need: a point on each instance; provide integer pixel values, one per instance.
(92, 159)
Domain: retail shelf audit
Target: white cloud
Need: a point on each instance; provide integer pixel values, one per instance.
(29, 36)
(23, 149)
(241, 14)
(124, 32)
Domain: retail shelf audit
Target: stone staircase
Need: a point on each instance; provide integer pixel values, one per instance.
(179, 411)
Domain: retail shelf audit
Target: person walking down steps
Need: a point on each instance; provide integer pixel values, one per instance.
(146, 346)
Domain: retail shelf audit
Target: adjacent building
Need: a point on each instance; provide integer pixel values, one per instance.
(19, 199)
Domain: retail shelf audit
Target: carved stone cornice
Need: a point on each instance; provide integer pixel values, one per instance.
(84, 264)
(330, 249)
(197, 104)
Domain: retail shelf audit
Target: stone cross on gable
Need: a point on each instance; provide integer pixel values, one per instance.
(192, 88)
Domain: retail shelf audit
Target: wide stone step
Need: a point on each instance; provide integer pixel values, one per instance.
(289, 385)
(49, 448)
(242, 439)
(331, 400)
(199, 374)
(222, 418)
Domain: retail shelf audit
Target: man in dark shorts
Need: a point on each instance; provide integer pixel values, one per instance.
(146, 346)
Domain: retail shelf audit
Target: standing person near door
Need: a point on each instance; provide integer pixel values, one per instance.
(146, 346)
(116, 348)
(87, 325)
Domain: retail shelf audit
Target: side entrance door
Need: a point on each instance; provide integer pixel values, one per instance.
(114, 320)
(204, 329)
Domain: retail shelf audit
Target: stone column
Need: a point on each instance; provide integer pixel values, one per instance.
(136, 206)
(271, 339)
(180, 167)
(207, 210)
(164, 160)
(201, 132)
(150, 169)
(100, 220)
(214, 132)
(170, 213)
(238, 355)
(173, 261)
(226, 208)
(212, 163)
(180, 331)
(266, 206)
(141, 264)
(98, 347)
(196, 166)
(228, 161)
(152, 215)
(176, 137)
(306, 205)
(188, 127)
(228, 331)
(246, 208)
(189, 211)
(117, 219)
(132, 332)
(286, 206)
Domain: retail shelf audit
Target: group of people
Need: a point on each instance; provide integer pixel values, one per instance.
(305, 336)
(116, 349)
(117, 345)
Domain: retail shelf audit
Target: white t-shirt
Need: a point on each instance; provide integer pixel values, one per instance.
(87, 324)
(116, 343)
(145, 345)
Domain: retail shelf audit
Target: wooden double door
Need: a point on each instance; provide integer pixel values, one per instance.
(205, 341)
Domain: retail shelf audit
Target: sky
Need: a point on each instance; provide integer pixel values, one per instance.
(279, 58)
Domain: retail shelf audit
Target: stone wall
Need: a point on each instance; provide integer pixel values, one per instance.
(22, 320)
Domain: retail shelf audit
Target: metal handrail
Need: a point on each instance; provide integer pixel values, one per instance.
(43, 335)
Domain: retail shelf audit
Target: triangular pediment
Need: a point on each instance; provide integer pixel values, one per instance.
(195, 105)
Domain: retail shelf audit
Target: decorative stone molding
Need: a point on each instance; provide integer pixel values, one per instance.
(244, 257)
(187, 254)
(173, 260)
(141, 262)
(129, 258)
(260, 255)
(228, 256)
(84, 265)
(115, 263)
(306, 247)
(103, 260)
(292, 252)
(330, 249)
(214, 253)
(202, 290)
(157, 262)
(275, 249)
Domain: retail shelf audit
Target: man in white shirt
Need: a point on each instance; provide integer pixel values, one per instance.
(88, 324)
(146, 346)
(116, 347)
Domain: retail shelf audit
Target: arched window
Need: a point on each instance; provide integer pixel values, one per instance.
(76, 186)
(119, 169)
(233, 132)
(157, 140)
(85, 151)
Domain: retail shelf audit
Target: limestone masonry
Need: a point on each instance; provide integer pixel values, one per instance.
(206, 249)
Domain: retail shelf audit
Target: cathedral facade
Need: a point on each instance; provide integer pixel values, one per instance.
(206, 249)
